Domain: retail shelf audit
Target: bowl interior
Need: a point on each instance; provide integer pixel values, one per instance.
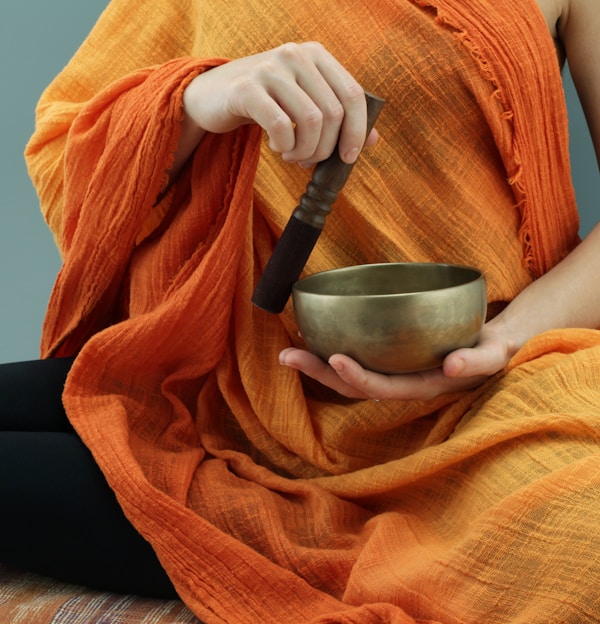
(387, 279)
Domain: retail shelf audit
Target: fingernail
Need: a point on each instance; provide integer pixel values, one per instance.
(351, 155)
(338, 367)
(460, 365)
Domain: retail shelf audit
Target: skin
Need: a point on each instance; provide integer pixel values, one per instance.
(304, 99)
(298, 93)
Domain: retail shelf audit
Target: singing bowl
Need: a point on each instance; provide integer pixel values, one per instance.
(391, 317)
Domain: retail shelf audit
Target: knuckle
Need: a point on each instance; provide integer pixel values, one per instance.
(279, 123)
(244, 87)
(312, 118)
(354, 92)
(334, 112)
(299, 52)
(313, 47)
(242, 91)
(290, 51)
(280, 134)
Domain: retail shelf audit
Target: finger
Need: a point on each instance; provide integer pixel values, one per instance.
(486, 358)
(372, 138)
(259, 106)
(318, 116)
(352, 135)
(317, 369)
(374, 385)
(422, 385)
(303, 124)
(289, 76)
(338, 96)
(313, 138)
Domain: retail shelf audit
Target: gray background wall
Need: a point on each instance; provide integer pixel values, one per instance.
(37, 38)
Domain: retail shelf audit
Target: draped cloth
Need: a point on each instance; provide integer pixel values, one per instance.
(267, 497)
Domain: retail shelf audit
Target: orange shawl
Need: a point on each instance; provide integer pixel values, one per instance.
(266, 498)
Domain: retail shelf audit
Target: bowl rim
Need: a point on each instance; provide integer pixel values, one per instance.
(299, 285)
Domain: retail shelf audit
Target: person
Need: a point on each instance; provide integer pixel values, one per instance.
(263, 484)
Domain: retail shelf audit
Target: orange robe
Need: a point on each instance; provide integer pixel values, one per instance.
(266, 497)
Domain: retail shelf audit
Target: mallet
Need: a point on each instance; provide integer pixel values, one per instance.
(305, 225)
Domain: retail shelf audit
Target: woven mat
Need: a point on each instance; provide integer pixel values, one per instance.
(30, 599)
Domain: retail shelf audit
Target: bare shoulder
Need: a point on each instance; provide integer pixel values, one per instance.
(553, 11)
(579, 31)
(580, 20)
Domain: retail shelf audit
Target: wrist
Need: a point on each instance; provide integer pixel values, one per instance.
(508, 331)
(191, 134)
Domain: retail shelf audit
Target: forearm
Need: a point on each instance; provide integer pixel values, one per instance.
(566, 296)
(190, 136)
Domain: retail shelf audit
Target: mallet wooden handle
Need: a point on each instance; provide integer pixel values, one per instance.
(305, 225)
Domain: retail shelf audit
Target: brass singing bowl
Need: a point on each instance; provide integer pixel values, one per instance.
(392, 317)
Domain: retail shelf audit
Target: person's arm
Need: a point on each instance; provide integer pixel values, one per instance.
(567, 296)
(579, 30)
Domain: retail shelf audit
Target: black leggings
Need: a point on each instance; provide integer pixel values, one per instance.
(59, 516)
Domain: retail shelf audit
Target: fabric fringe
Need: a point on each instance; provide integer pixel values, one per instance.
(535, 258)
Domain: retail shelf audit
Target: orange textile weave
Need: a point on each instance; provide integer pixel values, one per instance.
(267, 498)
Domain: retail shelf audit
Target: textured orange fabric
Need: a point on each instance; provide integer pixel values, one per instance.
(267, 498)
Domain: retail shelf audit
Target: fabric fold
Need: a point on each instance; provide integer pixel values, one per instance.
(266, 497)
(521, 142)
(106, 212)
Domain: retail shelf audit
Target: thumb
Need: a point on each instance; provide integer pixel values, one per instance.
(486, 358)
